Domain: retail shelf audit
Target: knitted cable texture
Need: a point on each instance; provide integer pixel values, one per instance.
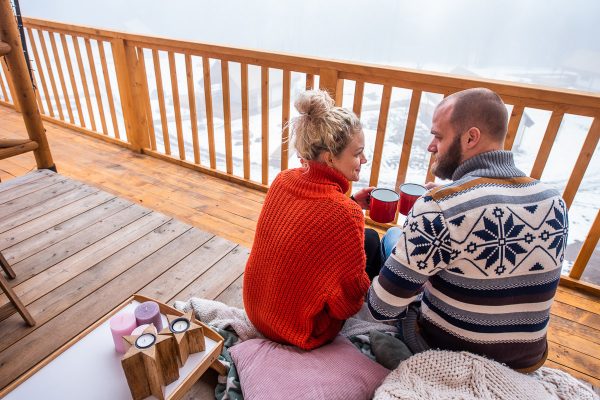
(306, 271)
(437, 375)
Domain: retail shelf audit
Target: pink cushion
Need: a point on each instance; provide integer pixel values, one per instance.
(338, 370)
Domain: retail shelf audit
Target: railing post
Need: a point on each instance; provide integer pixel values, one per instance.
(587, 249)
(329, 81)
(23, 88)
(127, 67)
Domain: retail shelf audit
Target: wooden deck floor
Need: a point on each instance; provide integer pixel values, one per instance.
(210, 204)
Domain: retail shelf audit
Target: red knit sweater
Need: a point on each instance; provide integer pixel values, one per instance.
(306, 271)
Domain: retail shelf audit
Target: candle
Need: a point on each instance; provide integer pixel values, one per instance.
(148, 313)
(144, 341)
(180, 325)
(121, 325)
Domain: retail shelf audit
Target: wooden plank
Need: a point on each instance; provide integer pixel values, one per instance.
(82, 218)
(146, 94)
(43, 208)
(583, 160)
(108, 87)
(67, 55)
(574, 359)
(40, 71)
(61, 76)
(69, 268)
(513, 126)
(233, 295)
(590, 335)
(60, 251)
(92, 63)
(50, 71)
(409, 134)
(359, 90)
(285, 119)
(81, 311)
(245, 121)
(381, 126)
(226, 116)
(84, 83)
(218, 278)
(49, 220)
(24, 179)
(210, 128)
(187, 270)
(176, 105)
(576, 292)
(30, 187)
(189, 75)
(576, 314)
(264, 90)
(161, 102)
(569, 340)
(546, 145)
(580, 302)
(37, 197)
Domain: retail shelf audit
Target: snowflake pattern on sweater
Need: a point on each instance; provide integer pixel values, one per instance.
(485, 252)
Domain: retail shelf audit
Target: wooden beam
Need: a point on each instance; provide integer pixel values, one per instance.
(4, 48)
(6, 152)
(585, 253)
(23, 88)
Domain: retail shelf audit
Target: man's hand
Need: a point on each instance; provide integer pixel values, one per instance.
(431, 185)
(363, 197)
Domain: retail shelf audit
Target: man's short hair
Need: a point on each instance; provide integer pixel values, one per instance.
(481, 108)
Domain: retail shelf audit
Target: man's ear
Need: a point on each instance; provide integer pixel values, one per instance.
(472, 138)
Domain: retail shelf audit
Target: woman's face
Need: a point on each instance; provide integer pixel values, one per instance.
(349, 161)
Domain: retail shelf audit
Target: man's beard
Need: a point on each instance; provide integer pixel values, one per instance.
(445, 166)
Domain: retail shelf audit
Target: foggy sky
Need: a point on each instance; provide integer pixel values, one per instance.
(442, 35)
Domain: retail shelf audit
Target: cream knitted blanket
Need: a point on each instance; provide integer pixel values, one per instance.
(437, 375)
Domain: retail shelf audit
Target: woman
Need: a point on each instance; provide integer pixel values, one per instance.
(306, 271)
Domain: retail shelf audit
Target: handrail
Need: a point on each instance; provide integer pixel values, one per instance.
(139, 63)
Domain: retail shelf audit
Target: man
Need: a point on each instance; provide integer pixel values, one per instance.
(479, 258)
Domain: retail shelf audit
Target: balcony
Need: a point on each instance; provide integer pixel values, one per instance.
(120, 109)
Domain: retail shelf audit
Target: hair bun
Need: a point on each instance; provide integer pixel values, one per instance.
(314, 103)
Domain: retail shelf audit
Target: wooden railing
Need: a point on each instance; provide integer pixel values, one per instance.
(132, 70)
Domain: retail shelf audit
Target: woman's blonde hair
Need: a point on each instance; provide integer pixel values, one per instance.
(321, 126)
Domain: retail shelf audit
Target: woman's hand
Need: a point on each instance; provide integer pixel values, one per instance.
(363, 197)
(431, 185)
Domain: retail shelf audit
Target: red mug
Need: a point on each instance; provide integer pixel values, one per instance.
(409, 193)
(383, 205)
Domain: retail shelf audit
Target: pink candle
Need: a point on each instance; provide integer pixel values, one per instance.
(122, 325)
(148, 313)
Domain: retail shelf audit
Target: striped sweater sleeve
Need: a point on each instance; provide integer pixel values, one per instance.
(423, 250)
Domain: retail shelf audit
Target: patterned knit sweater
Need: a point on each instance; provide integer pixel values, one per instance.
(486, 251)
(306, 271)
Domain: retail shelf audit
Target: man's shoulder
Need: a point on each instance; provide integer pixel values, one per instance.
(471, 185)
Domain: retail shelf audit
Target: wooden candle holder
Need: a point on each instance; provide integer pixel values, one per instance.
(149, 364)
(187, 333)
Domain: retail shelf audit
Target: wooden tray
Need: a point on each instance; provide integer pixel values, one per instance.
(88, 367)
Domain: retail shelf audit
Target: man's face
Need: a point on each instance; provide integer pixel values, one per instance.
(445, 144)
